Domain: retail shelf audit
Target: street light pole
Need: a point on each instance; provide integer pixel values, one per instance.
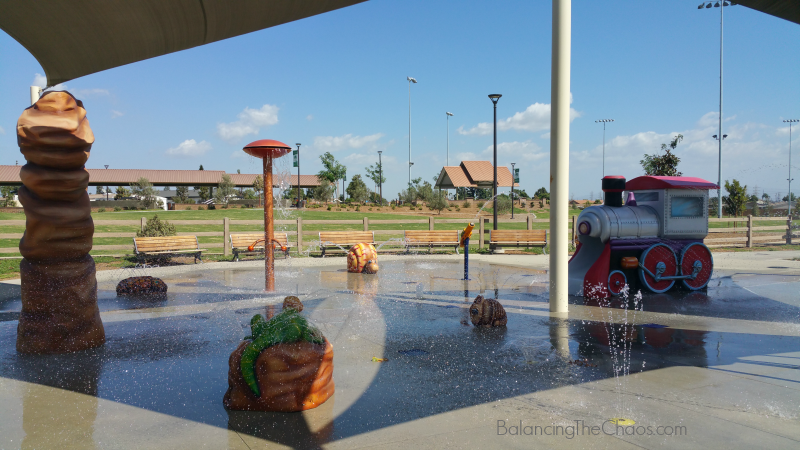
(790, 122)
(721, 6)
(512, 189)
(604, 121)
(410, 80)
(380, 176)
(298, 175)
(494, 98)
(448, 137)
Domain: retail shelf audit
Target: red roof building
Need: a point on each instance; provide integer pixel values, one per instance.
(473, 174)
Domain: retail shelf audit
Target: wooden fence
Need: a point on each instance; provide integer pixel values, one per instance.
(299, 236)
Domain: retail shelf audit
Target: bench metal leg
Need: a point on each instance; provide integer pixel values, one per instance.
(235, 255)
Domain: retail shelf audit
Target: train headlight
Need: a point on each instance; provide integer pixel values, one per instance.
(585, 228)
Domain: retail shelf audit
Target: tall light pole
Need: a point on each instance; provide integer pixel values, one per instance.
(380, 176)
(604, 121)
(410, 80)
(721, 6)
(790, 122)
(512, 189)
(448, 137)
(298, 174)
(494, 98)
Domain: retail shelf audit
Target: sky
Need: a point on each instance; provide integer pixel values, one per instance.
(337, 82)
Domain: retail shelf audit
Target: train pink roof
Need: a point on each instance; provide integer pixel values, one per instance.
(653, 182)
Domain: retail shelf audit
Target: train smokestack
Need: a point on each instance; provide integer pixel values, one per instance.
(613, 185)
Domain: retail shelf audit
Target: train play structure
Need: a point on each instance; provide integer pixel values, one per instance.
(651, 242)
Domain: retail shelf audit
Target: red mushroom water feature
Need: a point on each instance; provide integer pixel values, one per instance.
(267, 150)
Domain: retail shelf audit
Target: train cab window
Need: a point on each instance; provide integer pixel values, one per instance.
(686, 207)
(646, 196)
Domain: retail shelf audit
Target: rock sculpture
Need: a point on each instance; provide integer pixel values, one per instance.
(286, 365)
(59, 287)
(362, 258)
(487, 312)
(141, 286)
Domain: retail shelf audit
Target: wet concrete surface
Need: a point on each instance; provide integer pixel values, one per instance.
(444, 379)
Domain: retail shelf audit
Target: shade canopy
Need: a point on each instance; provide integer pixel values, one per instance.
(73, 38)
(785, 9)
(267, 148)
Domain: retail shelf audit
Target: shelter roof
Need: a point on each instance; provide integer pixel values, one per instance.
(473, 174)
(9, 175)
(656, 182)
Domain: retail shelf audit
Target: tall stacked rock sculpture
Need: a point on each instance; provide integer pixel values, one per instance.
(59, 287)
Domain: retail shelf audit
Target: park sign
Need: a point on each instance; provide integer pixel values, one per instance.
(516, 175)
(296, 158)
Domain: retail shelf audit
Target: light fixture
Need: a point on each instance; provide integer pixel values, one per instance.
(411, 79)
(495, 97)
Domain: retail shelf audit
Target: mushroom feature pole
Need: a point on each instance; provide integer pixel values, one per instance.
(268, 150)
(559, 155)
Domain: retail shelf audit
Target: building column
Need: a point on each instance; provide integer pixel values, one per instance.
(559, 155)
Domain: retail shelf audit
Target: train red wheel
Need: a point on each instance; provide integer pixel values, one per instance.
(616, 283)
(657, 262)
(696, 261)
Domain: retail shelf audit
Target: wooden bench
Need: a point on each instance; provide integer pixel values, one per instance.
(518, 238)
(416, 238)
(241, 241)
(344, 239)
(166, 246)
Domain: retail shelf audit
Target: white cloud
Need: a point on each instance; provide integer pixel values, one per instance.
(522, 151)
(250, 122)
(190, 148)
(535, 118)
(2, 131)
(309, 117)
(115, 114)
(347, 141)
(90, 92)
(41, 81)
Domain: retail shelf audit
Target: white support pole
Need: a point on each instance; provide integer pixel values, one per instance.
(36, 92)
(559, 155)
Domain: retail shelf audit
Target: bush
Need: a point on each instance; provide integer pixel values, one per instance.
(155, 227)
(117, 209)
(188, 208)
(479, 204)
(503, 204)
(466, 204)
(101, 210)
(329, 207)
(200, 208)
(394, 207)
(358, 208)
(458, 208)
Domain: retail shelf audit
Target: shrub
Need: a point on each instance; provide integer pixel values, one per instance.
(458, 208)
(394, 207)
(188, 208)
(358, 208)
(200, 208)
(466, 204)
(480, 204)
(101, 210)
(117, 208)
(155, 227)
(329, 207)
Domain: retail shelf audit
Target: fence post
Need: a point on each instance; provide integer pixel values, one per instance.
(750, 231)
(366, 223)
(789, 230)
(226, 235)
(574, 229)
(430, 223)
(144, 222)
(299, 234)
(530, 222)
(480, 233)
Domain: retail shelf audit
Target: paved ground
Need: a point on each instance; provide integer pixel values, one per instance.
(713, 369)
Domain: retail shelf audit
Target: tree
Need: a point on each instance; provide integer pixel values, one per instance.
(225, 190)
(203, 191)
(323, 192)
(121, 193)
(375, 173)
(437, 201)
(663, 165)
(258, 186)
(542, 193)
(521, 194)
(357, 190)
(182, 194)
(765, 196)
(333, 171)
(503, 204)
(786, 197)
(99, 190)
(8, 194)
(249, 194)
(155, 227)
(736, 200)
(143, 190)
